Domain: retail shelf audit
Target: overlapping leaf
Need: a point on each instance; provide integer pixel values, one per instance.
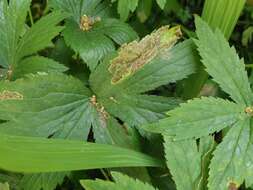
(18, 41)
(228, 167)
(62, 107)
(203, 116)
(223, 63)
(121, 91)
(188, 163)
(45, 181)
(122, 182)
(99, 32)
(198, 117)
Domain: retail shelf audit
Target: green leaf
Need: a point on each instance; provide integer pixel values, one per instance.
(139, 109)
(249, 165)
(227, 167)
(247, 36)
(97, 39)
(169, 65)
(223, 64)
(37, 64)
(218, 14)
(45, 181)
(206, 148)
(24, 154)
(60, 107)
(223, 14)
(122, 182)
(207, 115)
(125, 6)
(188, 163)
(12, 22)
(39, 36)
(144, 9)
(16, 41)
(184, 162)
(161, 3)
(172, 65)
(118, 88)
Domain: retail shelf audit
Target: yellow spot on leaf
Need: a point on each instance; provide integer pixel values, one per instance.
(100, 109)
(249, 111)
(10, 95)
(232, 186)
(87, 22)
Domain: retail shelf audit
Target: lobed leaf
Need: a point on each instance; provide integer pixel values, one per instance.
(90, 32)
(122, 182)
(188, 162)
(136, 110)
(12, 22)
(45, 181)
(223, 63)
(60, 107)
(227, 168)
(18, 40)
(40, 35)
(198, 117)
(170, 66)
(184, 162)
(37, 64)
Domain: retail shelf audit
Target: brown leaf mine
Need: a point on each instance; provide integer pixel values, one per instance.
(134, 55)
(100, 109)
(10, 95)
(87, 22)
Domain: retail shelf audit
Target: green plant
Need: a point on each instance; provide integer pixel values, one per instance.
(82, 97)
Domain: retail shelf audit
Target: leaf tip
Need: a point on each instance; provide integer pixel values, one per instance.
(135, 55)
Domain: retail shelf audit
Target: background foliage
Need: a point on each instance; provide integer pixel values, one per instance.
(60, 69)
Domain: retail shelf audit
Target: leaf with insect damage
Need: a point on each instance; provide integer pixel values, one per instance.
(135, 55)
(120, 80)
(60, 107)
(90, 31)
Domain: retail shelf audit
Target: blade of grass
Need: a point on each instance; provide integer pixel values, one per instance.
(28, 154)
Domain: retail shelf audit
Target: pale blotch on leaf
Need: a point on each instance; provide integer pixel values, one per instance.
(232, 186)
(134, 55)
(10, 95)
(87, 22)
